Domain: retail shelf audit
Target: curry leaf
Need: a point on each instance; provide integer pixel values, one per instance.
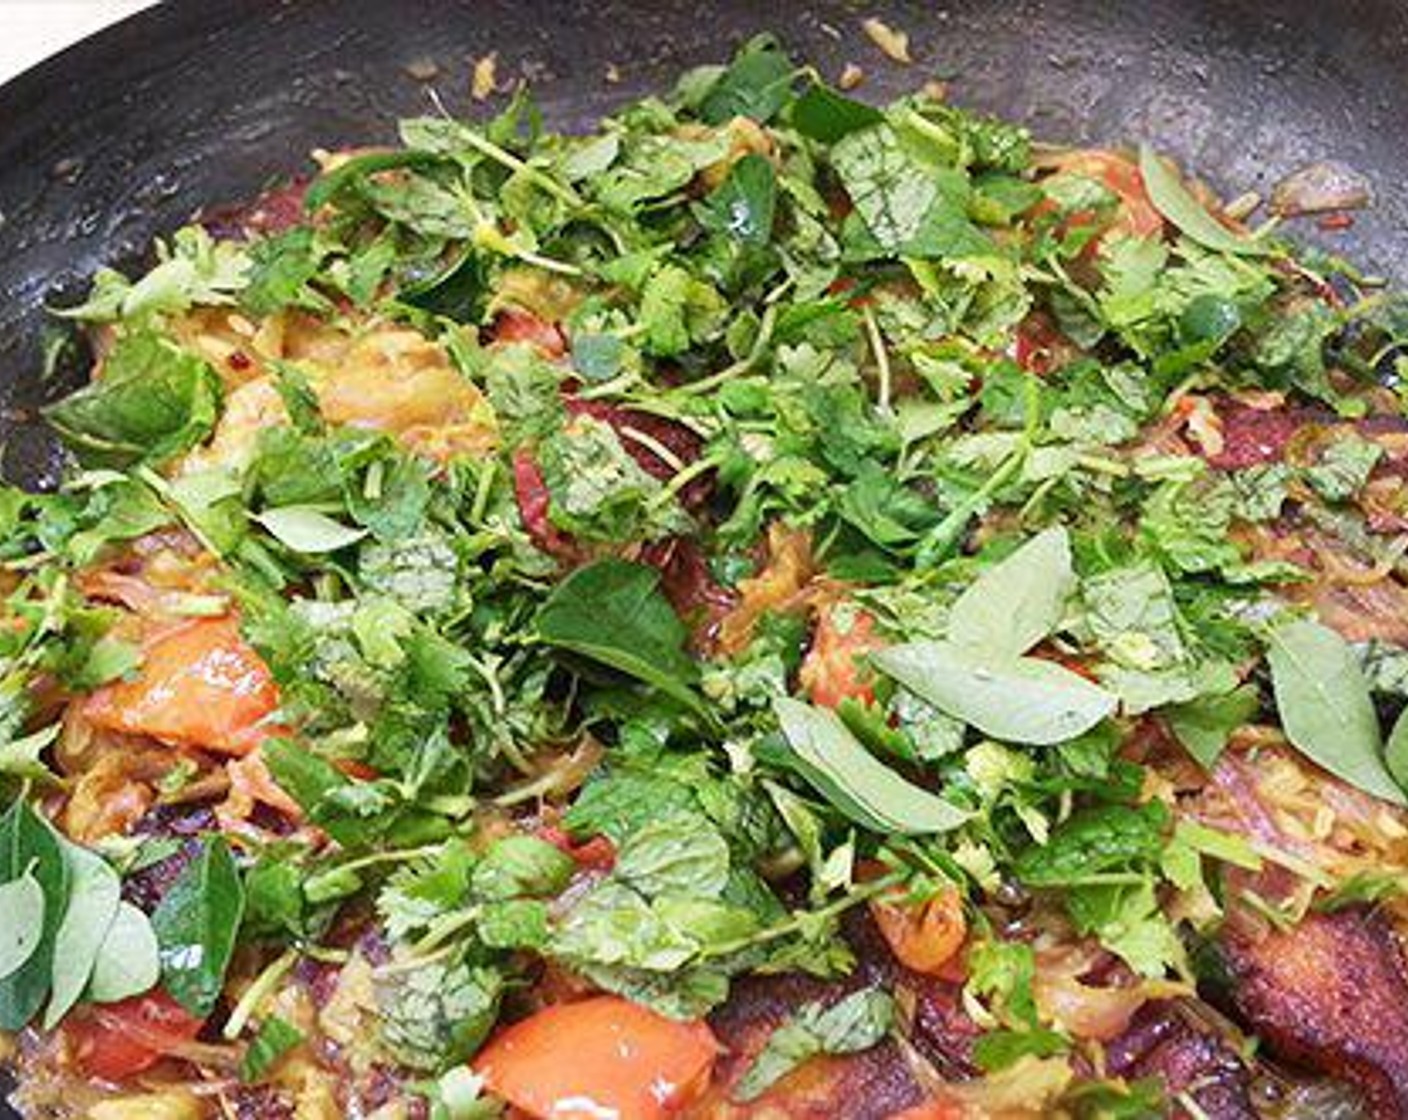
(744, 203)
(21, 922)
(94, 890)
(853, 780)
(153, 401)
(1325, 706)
(308, 530)
(1017, 602)
(613, 612)
(1204, 725)
(1396, 751)
(129, 960)
(1176, 203)
(1020, 700)
(196, 926)
(30, 847)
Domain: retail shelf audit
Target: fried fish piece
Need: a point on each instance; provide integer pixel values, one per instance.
(1166, 1040)
(870, 1085)
(1330, 994)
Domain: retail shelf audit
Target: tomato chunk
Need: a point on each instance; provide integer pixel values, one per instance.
(833, 668)
(200, 685)
(924, 936)
(603, 1056)
(115, 1041)
(1135, 214)
(513, 325)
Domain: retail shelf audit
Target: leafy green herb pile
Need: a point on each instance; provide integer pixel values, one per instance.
(480, 671)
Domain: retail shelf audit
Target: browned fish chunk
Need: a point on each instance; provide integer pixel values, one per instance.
(1164, 1040)
(871, 1085)
(1331, 994)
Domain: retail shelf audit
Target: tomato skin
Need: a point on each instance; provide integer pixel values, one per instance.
(115, 1041)
(603, 1056)
(832, 669)
(1135, 214)
(199, 685)
(595, 854)
(924, 936)
(513, 325)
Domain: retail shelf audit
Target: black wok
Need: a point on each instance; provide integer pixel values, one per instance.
(203, 101)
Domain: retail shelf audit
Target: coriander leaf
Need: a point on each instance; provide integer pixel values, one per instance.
(853, 780)
(1018, 700)
(129, 960)
(1129, 922)
(825, 115)
(418, 893)
(743, 205)
(997, 1050)
(1174, 201)
(1017, 602)
(854, 1023)
(307, 530)
(196, 925)
(1204, 725)
(194, 269)
(612, 611)
(597, 357)
(352, 172)
(757, 83)
(283, 266)
(153, 401)
(29, 846)
(1095, 841)
(1325, 707)
(21, 922)
(94, 890)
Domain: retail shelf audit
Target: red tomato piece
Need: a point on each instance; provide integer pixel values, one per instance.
(833, 669)
(513, 325)
(200, 685)
(1135, 214)
(115, 1041)
(595, 854)
(604, 1056)
(924, 936)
